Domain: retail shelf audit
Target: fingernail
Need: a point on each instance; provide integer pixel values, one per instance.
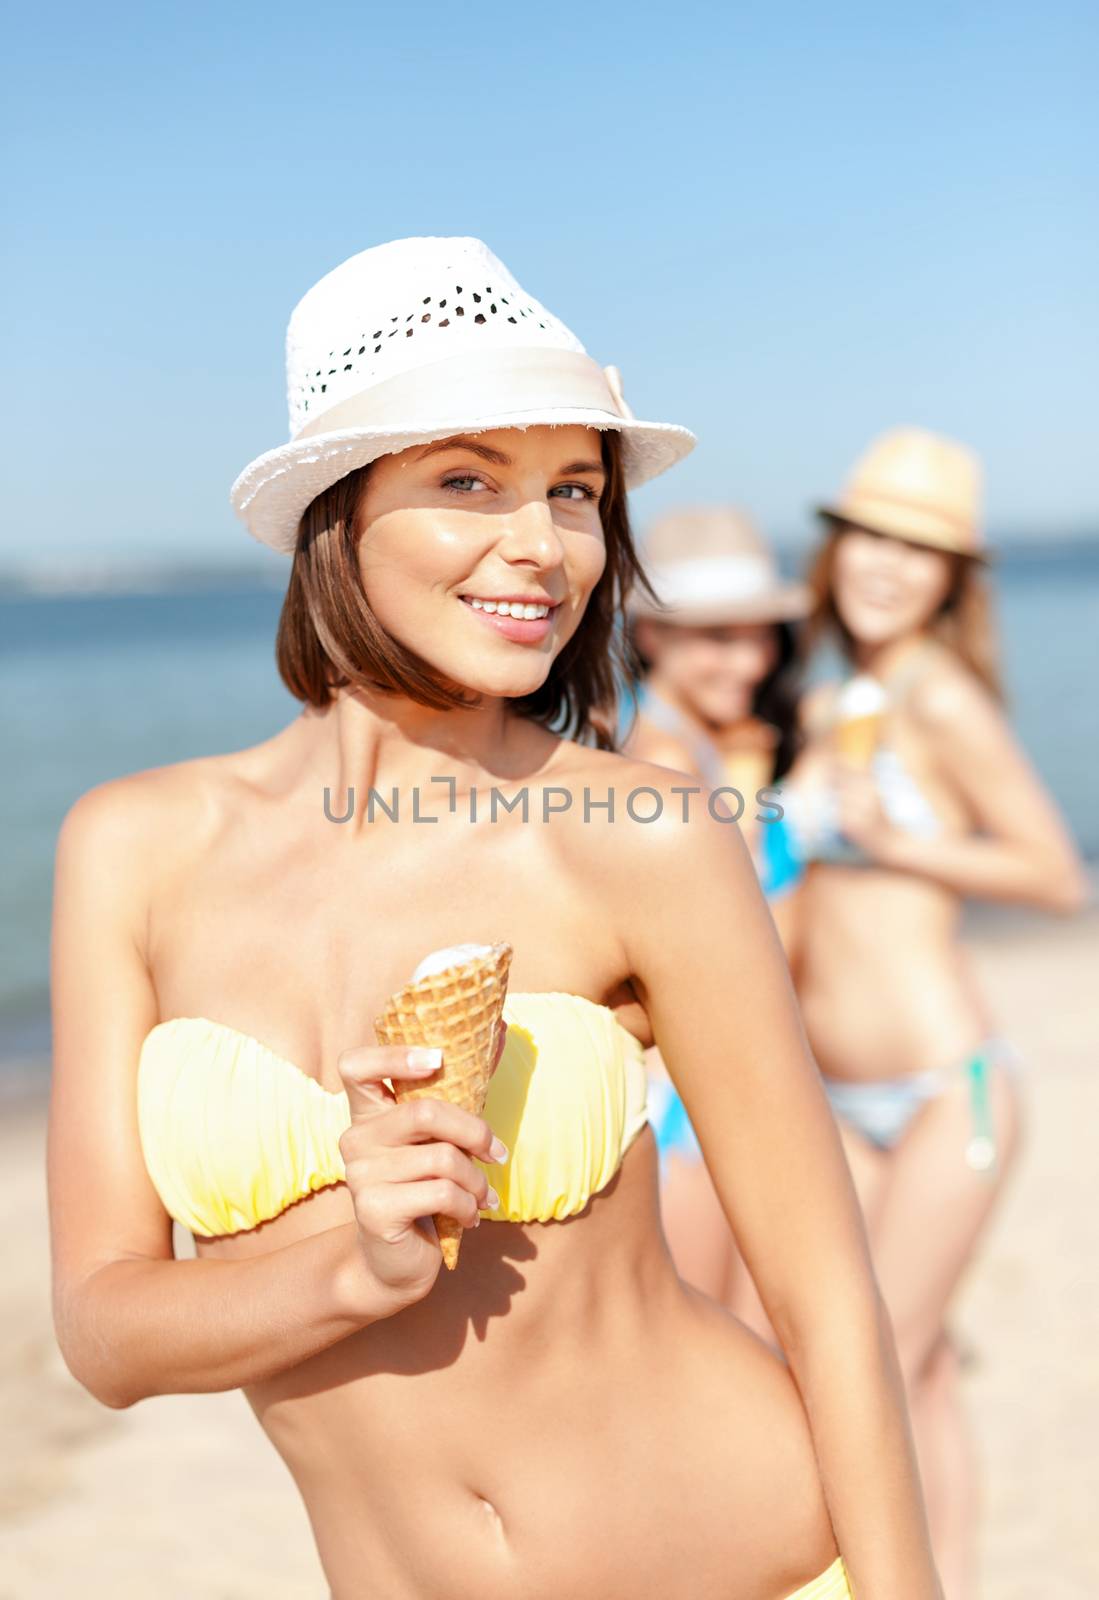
(492, 1199)
(424, 1058)
(498, 1151)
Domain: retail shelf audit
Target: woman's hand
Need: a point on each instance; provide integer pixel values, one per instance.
(859, 811)
(404, 1163)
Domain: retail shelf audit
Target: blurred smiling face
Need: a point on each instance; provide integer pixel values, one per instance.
(885, 588)
(714, 670)
(480, 552)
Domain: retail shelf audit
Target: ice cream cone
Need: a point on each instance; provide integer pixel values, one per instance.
(457, 1007)
(857, 738)
(860, 712)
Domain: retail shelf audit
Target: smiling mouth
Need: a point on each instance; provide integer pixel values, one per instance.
(525, 611)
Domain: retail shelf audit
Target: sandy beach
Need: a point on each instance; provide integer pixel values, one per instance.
(184, 1498)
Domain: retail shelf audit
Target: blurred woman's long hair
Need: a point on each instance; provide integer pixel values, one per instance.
(964, 623)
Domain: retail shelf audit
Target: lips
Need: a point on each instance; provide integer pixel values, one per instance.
(502, 618)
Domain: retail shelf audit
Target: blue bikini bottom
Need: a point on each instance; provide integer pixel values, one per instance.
(882, 1108)
(879, 1108)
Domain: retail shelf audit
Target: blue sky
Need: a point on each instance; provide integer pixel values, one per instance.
(789, 226)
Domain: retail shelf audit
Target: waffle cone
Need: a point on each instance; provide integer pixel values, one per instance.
(857, 738)
(459, 1010)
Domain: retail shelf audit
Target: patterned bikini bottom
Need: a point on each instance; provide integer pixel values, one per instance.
(882, 1108)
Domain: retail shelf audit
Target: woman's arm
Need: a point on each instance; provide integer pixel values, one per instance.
(709, 969)
(130, 1320)
(135, 1328)
(1021, 849)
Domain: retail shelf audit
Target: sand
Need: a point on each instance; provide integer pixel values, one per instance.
(183, 1498)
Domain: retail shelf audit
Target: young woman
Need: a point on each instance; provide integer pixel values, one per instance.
(226, 929)
(912, 793)
(716, 698)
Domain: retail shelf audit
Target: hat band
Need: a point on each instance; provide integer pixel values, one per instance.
(712, 578)
(483, 383)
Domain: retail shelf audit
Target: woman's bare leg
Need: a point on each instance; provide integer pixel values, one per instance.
(934, 1208)
(933, 1211)
(949, 1468)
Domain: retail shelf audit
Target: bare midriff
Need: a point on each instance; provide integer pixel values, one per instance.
(884, 984)
(560, 1415)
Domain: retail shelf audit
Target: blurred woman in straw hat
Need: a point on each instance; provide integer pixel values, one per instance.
(911, 794)
(717, 685)
(453, 500)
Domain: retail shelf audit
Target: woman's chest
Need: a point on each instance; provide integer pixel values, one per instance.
(298, 939)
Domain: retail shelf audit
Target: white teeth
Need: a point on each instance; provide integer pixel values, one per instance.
(511, 608)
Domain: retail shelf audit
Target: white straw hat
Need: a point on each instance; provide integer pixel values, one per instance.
(711, 564)
(415, 340)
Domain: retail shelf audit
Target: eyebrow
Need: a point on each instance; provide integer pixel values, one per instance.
(487, 452)
(462, 441)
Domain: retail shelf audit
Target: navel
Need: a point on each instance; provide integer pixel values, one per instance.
(491, 1516)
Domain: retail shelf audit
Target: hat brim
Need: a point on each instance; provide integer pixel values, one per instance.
(273, 491)
(787, 602)
(907, 534)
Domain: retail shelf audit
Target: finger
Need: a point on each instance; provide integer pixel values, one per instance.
(500, 1043)
(392, 1209)
(423, 1120)
(415, 1163)
(363, 1068)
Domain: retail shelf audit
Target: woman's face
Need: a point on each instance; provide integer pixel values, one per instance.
(452, 529)
(884, 588)
(715, 671)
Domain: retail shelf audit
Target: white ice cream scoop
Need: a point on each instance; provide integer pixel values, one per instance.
(861, 696)
(454, 955)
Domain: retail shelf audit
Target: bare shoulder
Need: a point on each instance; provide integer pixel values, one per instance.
(948, 697)
(135, 827)
(126, 808)
(648, 742)
(816, 706)
(661, 821)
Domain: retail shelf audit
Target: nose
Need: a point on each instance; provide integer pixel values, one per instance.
(890, 553)
(531, 536)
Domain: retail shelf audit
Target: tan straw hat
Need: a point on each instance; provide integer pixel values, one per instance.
(917, 486)
(710, 564)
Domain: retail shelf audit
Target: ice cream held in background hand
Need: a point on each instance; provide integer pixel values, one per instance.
(860, 708)
(455, 1000)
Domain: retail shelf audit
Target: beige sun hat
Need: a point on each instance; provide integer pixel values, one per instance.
(711, 564)
(413, 341)
(918, 486)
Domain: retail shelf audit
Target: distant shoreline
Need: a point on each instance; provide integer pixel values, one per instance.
(74, 577)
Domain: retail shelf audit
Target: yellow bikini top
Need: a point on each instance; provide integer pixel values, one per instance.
(232, 1133)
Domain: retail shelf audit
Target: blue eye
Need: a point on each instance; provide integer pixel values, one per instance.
(452, 483)
(586, 493)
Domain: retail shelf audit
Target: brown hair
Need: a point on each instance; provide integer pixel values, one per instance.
(964, 621)
(329, 637)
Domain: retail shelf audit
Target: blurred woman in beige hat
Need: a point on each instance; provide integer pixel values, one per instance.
(716, 697)
(911, 794)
